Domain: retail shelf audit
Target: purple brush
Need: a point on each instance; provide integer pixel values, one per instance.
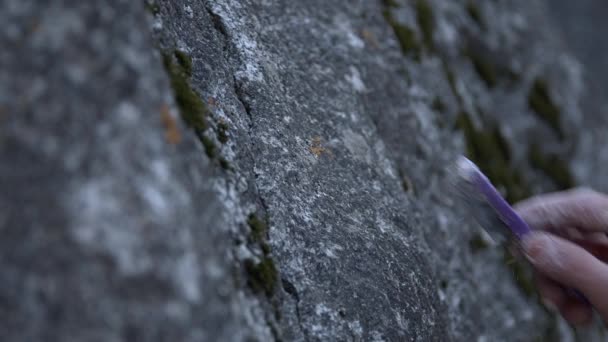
(477, 181)
(475, 189)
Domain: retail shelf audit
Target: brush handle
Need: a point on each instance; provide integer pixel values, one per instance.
(512, 220)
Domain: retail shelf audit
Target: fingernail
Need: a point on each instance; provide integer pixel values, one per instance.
(539, 248)
(549, 305)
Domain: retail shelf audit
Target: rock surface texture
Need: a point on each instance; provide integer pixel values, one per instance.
(241, 170)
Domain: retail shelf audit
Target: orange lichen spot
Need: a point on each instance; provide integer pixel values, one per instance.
(369, 37)
(316, 147)
(172, 132)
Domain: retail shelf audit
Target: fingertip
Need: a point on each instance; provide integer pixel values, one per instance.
(539, 249)
(577, 313)
(551, 294)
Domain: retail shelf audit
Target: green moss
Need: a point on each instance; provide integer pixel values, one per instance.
(405, 185)
(475, 14)
(426, 22)
(477, 243)
(390, 3)
(192, 109)
(438, 105)
(410, 46)
(513, 76)
(265, 248)
(210, 148)
(222, 132)
(407, 40)
(406, 182)
(543, 105)
(484, 145)
(485, 69)
(521, 274)
(449, 74)
(501, 143)
(552, 166)
(184, 61)
(258, 228)
(152, 7)
(490, 151)
(224, 164)
(262, 276)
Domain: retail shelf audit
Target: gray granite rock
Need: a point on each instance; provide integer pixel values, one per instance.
(302, 195)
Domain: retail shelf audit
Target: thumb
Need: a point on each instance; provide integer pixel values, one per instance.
(570, 265)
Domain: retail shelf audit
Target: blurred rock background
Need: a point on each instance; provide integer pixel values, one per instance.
(245, 170)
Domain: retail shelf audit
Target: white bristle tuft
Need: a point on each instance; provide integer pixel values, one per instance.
(466, 168)
(464, 183)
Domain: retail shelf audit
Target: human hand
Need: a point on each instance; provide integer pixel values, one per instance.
(569, 249)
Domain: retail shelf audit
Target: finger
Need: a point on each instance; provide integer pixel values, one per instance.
(576, 312)
(551, 294)
(599, 238)
(556, 300)
(595, 243)
(581, 208)
(597, 249)
(569, 265)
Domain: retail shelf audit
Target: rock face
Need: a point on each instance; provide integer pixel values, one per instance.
(254, 170)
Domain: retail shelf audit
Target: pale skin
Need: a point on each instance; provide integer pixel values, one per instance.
(569, 248)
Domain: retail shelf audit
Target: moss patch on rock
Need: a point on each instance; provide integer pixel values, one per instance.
(191, 107)
(426, 21)
(488, 148)
(210, 148)
(451, 78)
(552, 166)
(225, 164)
(390, 3)
(406, 183)
(262, 276)
(407, 40)
(477, 243)
(411, 44)
(522, 274)
(222, 132)
(542, 104)
(475, 14)
(486, 70)
(152, 7)
(258, 228)
(406, 36)
(438, 105)
(184, 61)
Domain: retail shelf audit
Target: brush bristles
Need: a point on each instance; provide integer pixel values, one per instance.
(465, 181)
(466, 168)
(462, 180)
